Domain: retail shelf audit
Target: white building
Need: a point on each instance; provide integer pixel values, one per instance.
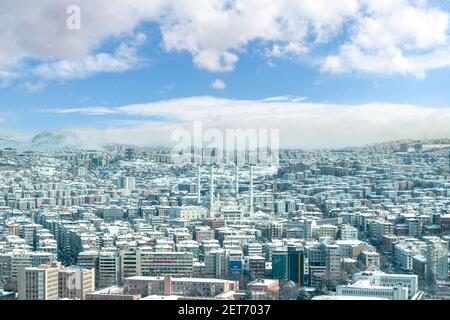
(411, 282)
(347, 232)
(437, 260)
(404, 256)
(189, 213)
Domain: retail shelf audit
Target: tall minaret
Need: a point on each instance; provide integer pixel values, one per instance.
(449, 163)
(211, 190)
(198, 185)
(251, 189)
(236, 180)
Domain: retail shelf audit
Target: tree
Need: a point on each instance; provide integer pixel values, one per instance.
(288, 292)
(248, 295)
(303, 295)
(248, 276)
(325, 287)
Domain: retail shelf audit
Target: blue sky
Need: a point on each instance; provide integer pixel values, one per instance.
(341, 62)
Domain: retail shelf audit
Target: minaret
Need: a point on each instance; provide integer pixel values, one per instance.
(198, 185)
(251, 189)
(449, 163)
(211, 190)
(236, 180)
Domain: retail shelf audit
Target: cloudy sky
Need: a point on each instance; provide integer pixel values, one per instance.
(324, 72)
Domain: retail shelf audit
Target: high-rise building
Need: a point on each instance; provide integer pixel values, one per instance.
(127, 183)
(216, 264)
(74, 283)
(108, 269)
(39, 283)
(130, 263)
(296, 265)
(257, 266)
(324, 263)
(437, 260)
(280, 265)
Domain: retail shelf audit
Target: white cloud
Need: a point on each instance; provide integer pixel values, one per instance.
(124, 58)
(6, 74)
(94, 111)
(401, 36)
(33, 87)
(402, 40)
(301, 124)
(218, 84)
(7, 78)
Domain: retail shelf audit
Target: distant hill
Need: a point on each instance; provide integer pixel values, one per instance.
(45, 141)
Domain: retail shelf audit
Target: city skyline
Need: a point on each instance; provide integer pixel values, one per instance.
(238, 153)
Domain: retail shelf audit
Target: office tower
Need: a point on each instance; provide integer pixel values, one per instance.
(39, 283)
(332, 262)
(280, 266)
(216, 264)
(257, 266)
(296, 265)
(235, 265)
(130, 263)
(108, 269)
(127, 183)
(88, 260)
(324, 263)
(437, 260)
(75, 283)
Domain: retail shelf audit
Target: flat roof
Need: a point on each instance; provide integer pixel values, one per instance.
(204, 280)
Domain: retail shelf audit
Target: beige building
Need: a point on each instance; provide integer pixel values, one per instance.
(39, 283)
(194, 287)
(75, 283)
(264, 289)
(112, 293)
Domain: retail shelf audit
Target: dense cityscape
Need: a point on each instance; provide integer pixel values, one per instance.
(129, 223)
